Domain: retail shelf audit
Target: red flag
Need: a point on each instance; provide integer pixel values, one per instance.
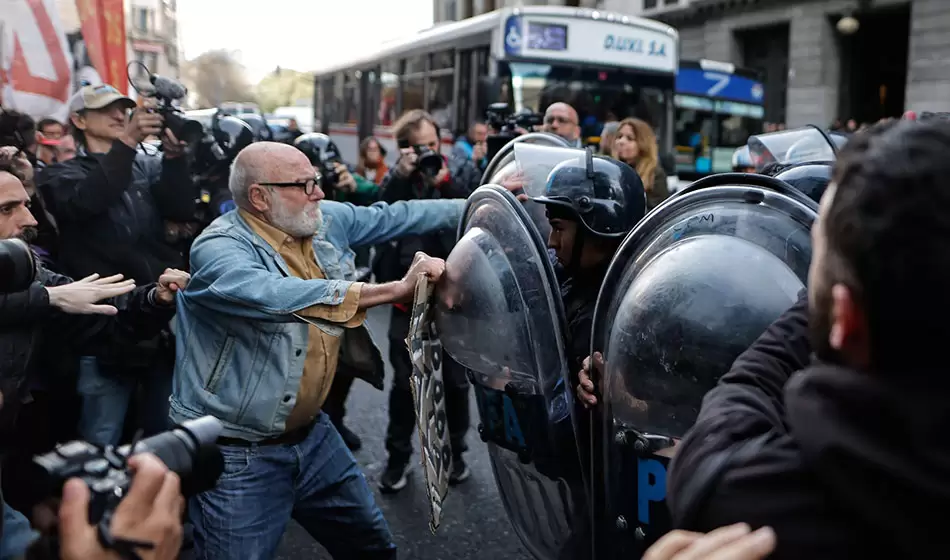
(103, 29)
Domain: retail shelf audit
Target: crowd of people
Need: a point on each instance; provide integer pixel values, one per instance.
(142, 316)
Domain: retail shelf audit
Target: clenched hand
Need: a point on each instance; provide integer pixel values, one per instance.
(170, 282)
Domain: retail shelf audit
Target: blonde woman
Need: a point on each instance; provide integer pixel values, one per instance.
(636, 146)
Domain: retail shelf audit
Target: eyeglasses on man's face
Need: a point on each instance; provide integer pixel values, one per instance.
(308, 186)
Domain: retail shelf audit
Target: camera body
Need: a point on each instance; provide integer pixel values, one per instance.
(506, 123)
(188, 450)
(501, 118)
(327, 167)
(430, 163)
(167, 91)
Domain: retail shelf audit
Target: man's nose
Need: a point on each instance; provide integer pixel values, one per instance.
(317, 194)
(27, 219)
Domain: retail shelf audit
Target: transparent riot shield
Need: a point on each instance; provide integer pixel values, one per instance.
(808, 144)
(697, 281)
(503, 167)
(499, 314)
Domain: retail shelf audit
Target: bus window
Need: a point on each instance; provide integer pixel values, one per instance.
(596, 95)
(694, 134)
(735, 122)
(339, 111)
(389, 87)
(441, 84)
(351, 97)
(412, 92)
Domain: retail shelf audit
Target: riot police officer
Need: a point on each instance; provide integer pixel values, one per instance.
(591, 207)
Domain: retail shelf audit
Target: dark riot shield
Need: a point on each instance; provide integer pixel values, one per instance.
(503, 166)
(499, 313)
(691, 287)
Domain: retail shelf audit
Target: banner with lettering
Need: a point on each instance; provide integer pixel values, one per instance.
(35, 60)
(103, 29)
(428, 391)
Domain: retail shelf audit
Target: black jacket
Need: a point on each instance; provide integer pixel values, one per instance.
(111, 210)
(394, 258)
(842, 464)
(32, 332)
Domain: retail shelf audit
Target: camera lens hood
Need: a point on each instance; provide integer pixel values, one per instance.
(17, 266)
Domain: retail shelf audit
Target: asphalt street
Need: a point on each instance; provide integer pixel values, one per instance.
(474, 523)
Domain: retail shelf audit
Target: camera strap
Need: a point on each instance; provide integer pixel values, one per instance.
(125, 548)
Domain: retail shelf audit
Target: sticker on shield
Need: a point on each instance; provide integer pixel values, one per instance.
(428, 392)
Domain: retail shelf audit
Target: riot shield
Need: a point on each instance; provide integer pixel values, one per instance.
(691, 287)
(499, 313)
(503, 166)
(798, 145)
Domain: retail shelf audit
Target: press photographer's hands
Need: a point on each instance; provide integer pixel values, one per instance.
(142, 123)
(149, 514)
(407, 162)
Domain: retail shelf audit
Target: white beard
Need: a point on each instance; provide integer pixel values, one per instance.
(301, 225)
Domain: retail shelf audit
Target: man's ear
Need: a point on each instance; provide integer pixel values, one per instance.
(78, 120)
(259, 198)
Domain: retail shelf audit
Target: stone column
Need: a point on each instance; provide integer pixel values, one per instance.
(928, 67)
(814, 69)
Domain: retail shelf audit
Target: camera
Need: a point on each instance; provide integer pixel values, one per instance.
(167, 91)
(189, 450)
(429, 162)
(18, 266)
(501, 119)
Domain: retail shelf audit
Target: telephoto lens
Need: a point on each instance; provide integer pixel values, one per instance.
(429, 162)
(188, 450)
(17, 266)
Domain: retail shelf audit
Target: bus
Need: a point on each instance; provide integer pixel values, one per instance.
(606, 65)
(718, 106)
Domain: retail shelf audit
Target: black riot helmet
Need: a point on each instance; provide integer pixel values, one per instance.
(262, 131)
(603, 194)
(318, 147)
(232, 135)
(810, 178)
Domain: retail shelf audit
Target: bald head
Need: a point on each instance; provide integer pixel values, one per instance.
(561, 119)
(264, 162)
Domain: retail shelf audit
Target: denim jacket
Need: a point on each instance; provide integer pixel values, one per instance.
(240, 347)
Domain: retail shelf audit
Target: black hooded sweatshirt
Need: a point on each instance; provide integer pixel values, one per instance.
(841, 463)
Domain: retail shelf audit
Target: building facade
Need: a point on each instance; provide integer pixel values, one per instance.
(816, 67)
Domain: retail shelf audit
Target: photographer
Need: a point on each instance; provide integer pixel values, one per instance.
(41, 313)
(420, 173)
(338, 181)
(113, 204)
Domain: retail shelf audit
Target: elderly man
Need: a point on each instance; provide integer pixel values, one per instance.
(258, 339)
(561, 119)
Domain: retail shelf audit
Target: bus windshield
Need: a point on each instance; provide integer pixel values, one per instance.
(708, 131)
(599, 96)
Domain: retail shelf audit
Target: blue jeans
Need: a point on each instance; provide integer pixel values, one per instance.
(106, 397)
(17, 534)
(316, 482)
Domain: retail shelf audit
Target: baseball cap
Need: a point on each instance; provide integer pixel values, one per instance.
(97, 97)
